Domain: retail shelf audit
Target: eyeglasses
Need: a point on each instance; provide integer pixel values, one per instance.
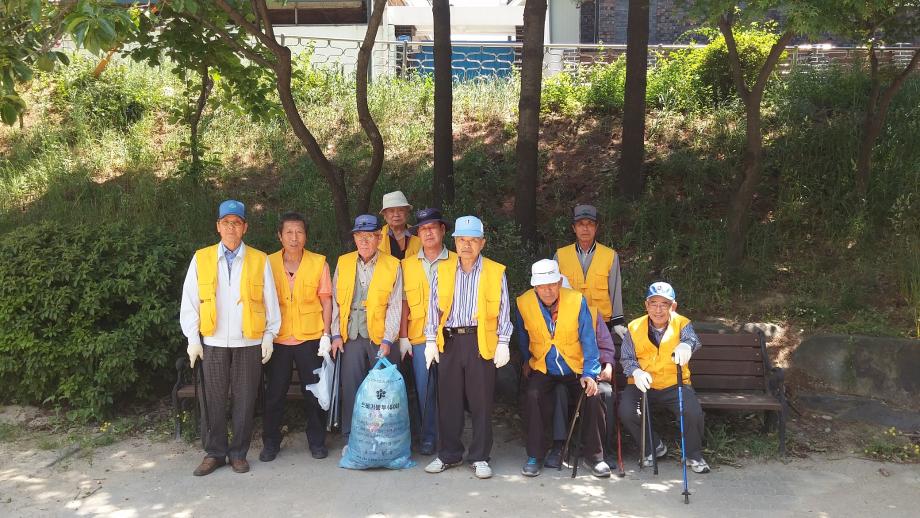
(231, 224)
(365, 238)
(661, 306)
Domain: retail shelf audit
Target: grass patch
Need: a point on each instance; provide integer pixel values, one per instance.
(892, 446)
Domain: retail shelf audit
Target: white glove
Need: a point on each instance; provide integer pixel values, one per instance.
(642, 379)
(325, 347)
(682, 354)
(195, 351)
(405, 347)
(431, 353)
(267, 349)
(620, 330)
(502, 356)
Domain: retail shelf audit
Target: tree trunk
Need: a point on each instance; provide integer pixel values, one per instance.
(333, 176)
(632, 155)
(194, 142)
(753, 148)
(366, 187)
(525, 201)
(874, 120)
(443, 185)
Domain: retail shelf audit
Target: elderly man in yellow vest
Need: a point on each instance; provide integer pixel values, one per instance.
(418, 271)
(467, 332)
(397, 240)
(229, 303)
(594, 269)
(655, 344)
(304, 289)
(556, 336)
(368, 290)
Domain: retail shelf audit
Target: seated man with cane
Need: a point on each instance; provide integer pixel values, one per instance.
(557, 340)
(652, 349)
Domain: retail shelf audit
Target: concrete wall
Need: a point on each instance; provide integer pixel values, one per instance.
(563, 18)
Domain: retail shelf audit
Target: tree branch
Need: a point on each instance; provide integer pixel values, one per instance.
(246, 51)
(734, 61)
(247, 25)
(898, 82)
(262, 12)
(767, 68)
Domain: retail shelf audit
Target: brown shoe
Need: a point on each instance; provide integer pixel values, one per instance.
(239, 465)
(207, 466)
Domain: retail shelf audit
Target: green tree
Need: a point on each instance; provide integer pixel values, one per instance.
(30, 31)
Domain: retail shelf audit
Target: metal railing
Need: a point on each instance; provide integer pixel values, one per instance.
(501, 59)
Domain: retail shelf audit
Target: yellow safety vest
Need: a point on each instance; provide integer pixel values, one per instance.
(378, 293)
(418, 293)
(488, 303)
(565, 337)
(412, 247)
(301, 311)
(592, 285)
(657, 360)
(252, 282)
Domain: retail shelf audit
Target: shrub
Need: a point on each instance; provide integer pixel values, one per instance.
(564, 94)
(607, 86)
(87, 313)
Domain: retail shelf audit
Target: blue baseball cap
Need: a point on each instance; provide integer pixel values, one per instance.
(231, 208)
(661, 289)
(430, 215)
(468, 226)
(366, 223)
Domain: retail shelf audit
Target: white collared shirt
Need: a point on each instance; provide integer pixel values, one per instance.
(229, 329)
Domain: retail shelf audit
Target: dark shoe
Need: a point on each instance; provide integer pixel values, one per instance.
(554, 459)
(268, 453)
(319, 452)
(599, 470)
(426, 448)
(239, 465)
(532, 467)
(207, 466)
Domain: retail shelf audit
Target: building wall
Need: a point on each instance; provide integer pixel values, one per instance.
(667, 21)
(563, 21)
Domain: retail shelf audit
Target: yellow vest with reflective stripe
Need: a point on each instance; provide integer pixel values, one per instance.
(488, 303)
(418, 293)
(657, 360)
(412, 247)
(378, 293)
(592, 285)
(252, 282)
(565, 338)
(301, 311)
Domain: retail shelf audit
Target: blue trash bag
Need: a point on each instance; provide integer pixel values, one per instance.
(380, 434)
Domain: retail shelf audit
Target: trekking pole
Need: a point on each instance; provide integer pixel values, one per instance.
(616, 419)
(683, 448)
(428, 392)
(332, 417)
(568, 439)
(204, 402)
(651, 437)
(642, 411)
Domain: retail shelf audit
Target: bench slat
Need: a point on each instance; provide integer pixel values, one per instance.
(729, 340)
(735, 401)
(726, 368)
(725, 353)
(704, 382)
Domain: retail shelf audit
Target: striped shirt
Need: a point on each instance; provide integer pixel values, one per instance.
(465, 304)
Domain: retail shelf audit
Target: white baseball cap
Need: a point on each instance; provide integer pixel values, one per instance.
(394, 199)
(544, 271)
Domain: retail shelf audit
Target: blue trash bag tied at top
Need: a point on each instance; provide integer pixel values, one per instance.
(380, 434)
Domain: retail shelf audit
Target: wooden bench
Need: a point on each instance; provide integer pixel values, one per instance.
(732, 371)
(185, 390)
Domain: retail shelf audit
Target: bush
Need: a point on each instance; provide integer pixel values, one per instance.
(607, 86)
(564, 94)
(87, 313)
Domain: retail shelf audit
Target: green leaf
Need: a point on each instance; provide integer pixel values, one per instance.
(8, 112)
(45, 63)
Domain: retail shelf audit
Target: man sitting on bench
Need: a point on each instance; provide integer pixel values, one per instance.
(652, 348)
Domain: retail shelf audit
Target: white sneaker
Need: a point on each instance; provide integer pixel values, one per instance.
(482, 469)
(698, 466)
(660, 451)
(437, 466)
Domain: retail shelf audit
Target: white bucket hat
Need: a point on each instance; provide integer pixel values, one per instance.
(395, 199)
(544, 271)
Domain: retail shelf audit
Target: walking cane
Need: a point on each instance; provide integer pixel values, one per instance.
(332, 419)
(204, 401)
(616, 419)
(683, 448)
(642, 442)
(568, 439)
(648, 422)
(428, 402)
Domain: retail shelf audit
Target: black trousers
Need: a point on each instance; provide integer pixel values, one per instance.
(631, 416)
(279, 379)
(605, 420)
(463, 373)
(541, 405)
(236, 372)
